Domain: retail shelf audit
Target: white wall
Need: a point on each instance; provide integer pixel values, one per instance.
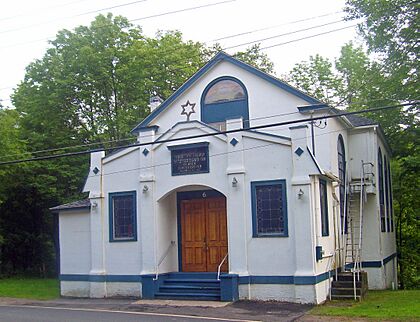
(74, 227)
(280, 102)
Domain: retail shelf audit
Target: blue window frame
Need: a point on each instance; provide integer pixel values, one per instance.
(324, 207)
(391, 208)
(122, 216)
(224, 98)
(341, 156)
(269, 208)
(381, 190)
(387, 195)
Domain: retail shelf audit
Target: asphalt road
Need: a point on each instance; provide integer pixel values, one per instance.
(24, 313)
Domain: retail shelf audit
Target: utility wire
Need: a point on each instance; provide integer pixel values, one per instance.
(317, 135)
(275, 26)
(42, 9)
(287, 33)
(136, 19)
(248, 43)
(308, 37)
(168, 132)
(372, 110)
(73, 16)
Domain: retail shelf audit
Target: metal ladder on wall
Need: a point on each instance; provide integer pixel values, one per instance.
(357, 198)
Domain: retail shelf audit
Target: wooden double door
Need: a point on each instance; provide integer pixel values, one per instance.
(203, 234)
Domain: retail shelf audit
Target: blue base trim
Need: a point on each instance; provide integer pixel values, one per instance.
(99, 278)
(375, 264)
(296, 280)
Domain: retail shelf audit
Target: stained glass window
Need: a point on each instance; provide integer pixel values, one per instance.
(224, 91)
(123, 211)
(269, 208)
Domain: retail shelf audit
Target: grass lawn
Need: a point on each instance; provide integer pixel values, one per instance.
(29, 288)
(378, 305)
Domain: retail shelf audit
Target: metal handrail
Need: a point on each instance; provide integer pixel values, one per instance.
(220, 266)
(163, 258)
(331, 260)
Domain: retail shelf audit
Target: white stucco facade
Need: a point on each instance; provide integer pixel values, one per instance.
(286, 267)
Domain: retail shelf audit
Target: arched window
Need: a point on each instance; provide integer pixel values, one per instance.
(381, 190)
(341, 155)
(224, 98)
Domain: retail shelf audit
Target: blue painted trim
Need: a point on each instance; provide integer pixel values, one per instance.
(389, 258)
(325, 230)
(375, 264)
(313, 159)
(298, 127)
(187, 146)
(288, 279)
(269, 134)
(254, 185)
(229, 290)
(146, 128)
(99, 278)
(318, 253)
(74, 277)
(111, 195)
(217, 58)
(314, 107)
(221, 111)
(252, 279)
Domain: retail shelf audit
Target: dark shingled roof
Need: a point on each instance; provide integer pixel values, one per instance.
(85, 203)
(357, 120)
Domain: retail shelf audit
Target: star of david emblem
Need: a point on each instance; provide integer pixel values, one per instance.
(188, 109)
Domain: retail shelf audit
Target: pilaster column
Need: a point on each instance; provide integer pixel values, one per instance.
(94, 185)
(146, 205)
(236, 200)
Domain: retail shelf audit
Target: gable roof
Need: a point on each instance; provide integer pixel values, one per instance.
(222, 56)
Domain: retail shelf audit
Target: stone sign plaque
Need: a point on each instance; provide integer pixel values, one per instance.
(190, 159)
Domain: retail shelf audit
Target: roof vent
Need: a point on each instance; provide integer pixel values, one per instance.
(154, 102)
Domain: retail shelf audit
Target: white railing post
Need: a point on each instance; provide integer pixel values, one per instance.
(220, 266)
(162, 259)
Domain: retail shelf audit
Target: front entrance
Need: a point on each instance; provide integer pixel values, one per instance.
(203, 234)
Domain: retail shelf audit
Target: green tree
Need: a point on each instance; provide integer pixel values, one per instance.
(316, 77)
(91, 86)
(391, 30)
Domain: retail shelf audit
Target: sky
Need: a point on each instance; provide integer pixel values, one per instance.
(26, 26)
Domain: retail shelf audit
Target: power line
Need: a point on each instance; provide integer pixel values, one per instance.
(275, 26)
(287, 33)
(42, 9)
(372, 110)
(212, 155)
(308, 37)
(262, 48)
(73, 16)
(136, 19)
(132, 138)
